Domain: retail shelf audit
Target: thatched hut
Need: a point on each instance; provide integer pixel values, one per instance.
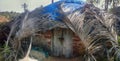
(88, 32)
(54, 36)
(48, 31)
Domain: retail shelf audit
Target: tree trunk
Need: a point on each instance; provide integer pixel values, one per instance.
(113, 3)
(52, 1)
(106, 5)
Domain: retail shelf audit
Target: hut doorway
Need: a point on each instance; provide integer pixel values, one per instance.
(61, 43)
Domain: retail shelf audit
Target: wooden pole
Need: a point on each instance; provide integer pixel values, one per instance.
(52, 1)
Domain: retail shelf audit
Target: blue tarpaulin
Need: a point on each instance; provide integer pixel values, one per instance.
(69, 6)
(74, 1)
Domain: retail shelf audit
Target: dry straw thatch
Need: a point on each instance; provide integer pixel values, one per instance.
(97, 31)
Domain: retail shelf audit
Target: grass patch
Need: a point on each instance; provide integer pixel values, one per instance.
(4, 50)
(119, 40)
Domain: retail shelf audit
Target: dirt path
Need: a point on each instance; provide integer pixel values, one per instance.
(62, 59)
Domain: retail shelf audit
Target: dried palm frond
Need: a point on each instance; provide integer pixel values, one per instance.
(95, 30)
